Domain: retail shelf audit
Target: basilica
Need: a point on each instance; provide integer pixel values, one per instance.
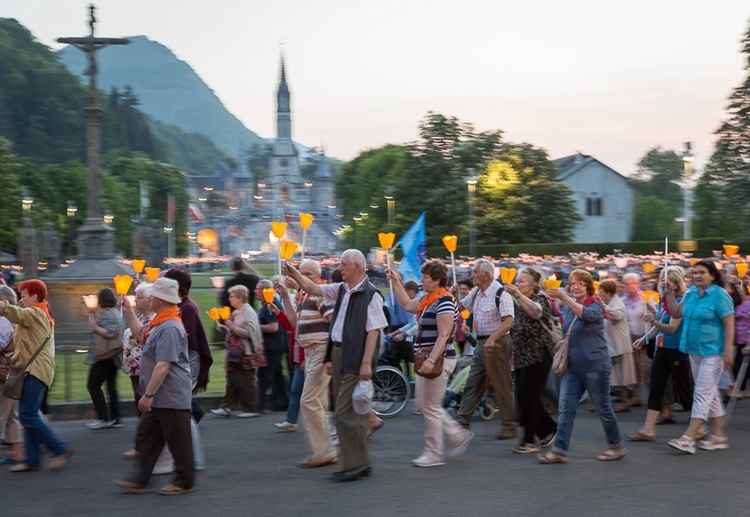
(233, 208)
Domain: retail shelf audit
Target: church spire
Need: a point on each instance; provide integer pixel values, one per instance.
(283, 113)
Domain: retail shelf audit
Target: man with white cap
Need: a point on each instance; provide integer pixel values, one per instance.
(166, 386)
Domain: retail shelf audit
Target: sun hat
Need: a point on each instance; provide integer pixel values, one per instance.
(165, 289)
(362, 397)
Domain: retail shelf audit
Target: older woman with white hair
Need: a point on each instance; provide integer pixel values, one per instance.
(9, 424)
(241, 393)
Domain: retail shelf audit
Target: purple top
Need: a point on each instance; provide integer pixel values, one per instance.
(741, 322)
(196, 337)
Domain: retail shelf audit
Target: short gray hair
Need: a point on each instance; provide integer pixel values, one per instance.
(143, 286)
(7, 294)
(485, 266)
(355, 256)
(266, 284)
(311, 263)
(628, 276)
(239, 290)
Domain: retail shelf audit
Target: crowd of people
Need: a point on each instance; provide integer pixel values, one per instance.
(309, 349)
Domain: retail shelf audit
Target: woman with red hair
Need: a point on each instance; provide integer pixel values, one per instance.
(34, 326)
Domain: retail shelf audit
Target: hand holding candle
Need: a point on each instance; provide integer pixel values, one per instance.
(451, 243)
(386, 242)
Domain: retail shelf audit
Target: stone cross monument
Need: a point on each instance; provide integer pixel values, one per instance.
(95, 239)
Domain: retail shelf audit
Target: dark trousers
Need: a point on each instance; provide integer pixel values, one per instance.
(272, 376)
(241, 391)
(670, 362)
(100, 372)
(170, 426)
(530, 381)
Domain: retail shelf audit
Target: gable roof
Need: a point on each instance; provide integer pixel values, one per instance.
(569, 165)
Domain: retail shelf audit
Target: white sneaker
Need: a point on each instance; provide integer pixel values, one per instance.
(219, 412)
(427, 461)
(460, 447)
(98, 424)
(114, 424)
(246, 414)
(286, 426)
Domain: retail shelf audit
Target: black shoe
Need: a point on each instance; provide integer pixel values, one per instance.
(352, 474)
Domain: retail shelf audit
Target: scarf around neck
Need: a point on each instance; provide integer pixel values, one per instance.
(173, 314)
(44, 307)
(432, 298)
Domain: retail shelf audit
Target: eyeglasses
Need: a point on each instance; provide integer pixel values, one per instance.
(576, 284)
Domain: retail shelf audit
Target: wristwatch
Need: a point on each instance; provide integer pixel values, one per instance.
(149, 395)
(430, 359)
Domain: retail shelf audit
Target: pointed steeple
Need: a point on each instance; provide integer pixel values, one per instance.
(283, 112)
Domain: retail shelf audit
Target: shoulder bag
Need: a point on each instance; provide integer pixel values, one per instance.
(562, 348)
(420, 356)
(16, 375)
(106, 348)
(553, 328)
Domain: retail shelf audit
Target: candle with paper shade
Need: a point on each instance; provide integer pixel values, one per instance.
(551, 283)
(269, 294)
(278, 229)
(649, 296)
(507, 275)
(741, 269)
(122, 284)
(213, 313)
(596, 287)
(152, 273)
(451, 243)
(138, 265)
(386, 242)
(225, 312)
(305, 220)
(91, 300)
(730, 250)
(666, 251)
(287, 249)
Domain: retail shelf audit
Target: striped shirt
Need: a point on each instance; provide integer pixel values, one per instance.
(312, 327)
(428, 327)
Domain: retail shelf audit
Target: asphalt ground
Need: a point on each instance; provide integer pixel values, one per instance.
(251, 470)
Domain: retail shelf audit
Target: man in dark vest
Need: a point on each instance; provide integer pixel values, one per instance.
(357, 321)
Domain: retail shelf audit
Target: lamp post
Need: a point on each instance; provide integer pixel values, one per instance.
(391, 208)
(687, 162)
(71, 211)
(471, 182)
(108, 217)
(26, 201)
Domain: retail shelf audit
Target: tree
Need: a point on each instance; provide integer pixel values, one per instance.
(11, 168)
(653, 219)
(520, 200)
(727, 174)
(660, 172)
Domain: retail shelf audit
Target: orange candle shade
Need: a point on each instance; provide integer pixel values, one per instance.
(730, 250)
(742, 269)
(551, 283)
(287, 249)
(648, 267)
(213, 313)
(596, 287)
(152, 273)
(122, 284)
(465, 314)
(278, 229)
(507, 275)
(91, 300)
(224, 312)
(305, 220)
(650, 296)
(451, 242)
(269, 294)
(138, 265)
(386, 240)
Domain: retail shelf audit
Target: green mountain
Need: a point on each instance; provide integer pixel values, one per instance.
(169, 90)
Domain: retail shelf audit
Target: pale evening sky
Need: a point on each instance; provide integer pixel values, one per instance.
(610, 79)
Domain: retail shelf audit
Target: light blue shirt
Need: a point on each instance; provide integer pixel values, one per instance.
(702, 328)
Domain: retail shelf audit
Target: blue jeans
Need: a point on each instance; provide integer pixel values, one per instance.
(298, 381)
(36, 430)
(571, 388)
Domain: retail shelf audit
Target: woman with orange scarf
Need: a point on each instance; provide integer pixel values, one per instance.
(437, 313)
(34, 325)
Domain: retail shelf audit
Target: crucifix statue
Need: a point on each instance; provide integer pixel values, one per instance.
(94, 237)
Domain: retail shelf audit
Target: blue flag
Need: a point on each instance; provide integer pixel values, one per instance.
(414, 245)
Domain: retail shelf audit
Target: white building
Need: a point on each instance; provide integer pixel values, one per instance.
(603, 197)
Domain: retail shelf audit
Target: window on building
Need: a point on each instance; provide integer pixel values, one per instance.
(593, 206)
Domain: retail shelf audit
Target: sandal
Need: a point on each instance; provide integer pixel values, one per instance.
(613, 454)
(640, 437)
(549, 457)
(683, 443)
(175, 490)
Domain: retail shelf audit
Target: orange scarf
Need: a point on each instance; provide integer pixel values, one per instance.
(44, 306)
(432, 298)
(173, 313)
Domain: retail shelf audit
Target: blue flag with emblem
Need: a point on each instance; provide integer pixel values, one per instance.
(414, 246)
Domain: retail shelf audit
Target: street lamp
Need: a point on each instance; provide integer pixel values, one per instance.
(108, 217)
(687, 162)
(471, 182)
(71, 211)
(26, 201)
(390, 205)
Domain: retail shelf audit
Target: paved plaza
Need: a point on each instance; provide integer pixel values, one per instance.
(251, 470)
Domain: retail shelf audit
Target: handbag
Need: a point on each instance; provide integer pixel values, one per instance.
(554, 328)
(421, 355)
(106, 348)
(562, 349)
(238, 354)
(16, 375)
(235, 349)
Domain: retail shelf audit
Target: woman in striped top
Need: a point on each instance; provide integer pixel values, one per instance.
(437, 313)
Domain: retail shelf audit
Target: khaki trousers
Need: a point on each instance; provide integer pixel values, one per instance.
(314, 402)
